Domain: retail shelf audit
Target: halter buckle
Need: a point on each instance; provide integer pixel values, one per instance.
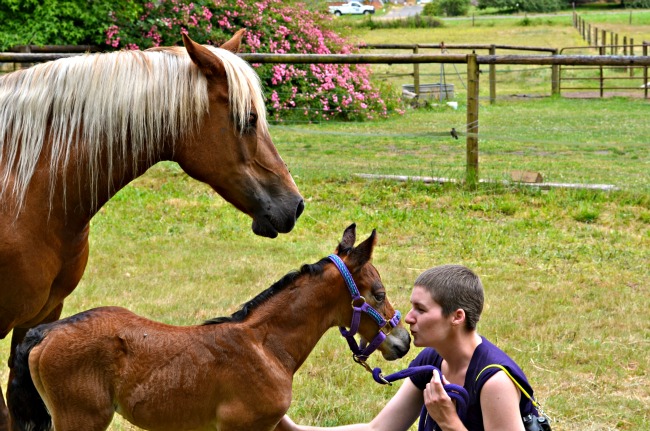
(361, 301)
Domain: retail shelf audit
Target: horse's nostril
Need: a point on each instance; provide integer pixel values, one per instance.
(300, 209)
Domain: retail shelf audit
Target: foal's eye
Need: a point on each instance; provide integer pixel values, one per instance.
(379, 297)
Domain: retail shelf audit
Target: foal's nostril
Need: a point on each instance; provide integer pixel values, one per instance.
(300, 209)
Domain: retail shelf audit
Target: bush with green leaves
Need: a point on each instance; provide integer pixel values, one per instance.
(446, 8)
(313, 92)
(415, 21)
(525, 5)
(637, 4)
(59, 22)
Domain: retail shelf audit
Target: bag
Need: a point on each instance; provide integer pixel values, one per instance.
(531, 422)
(536, 423)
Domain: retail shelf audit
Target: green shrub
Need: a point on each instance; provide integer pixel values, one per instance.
(525, 5)
(416, 21)
(446, 8)
(59, 22)
(638, 4)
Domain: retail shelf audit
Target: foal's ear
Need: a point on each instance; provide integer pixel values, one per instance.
(233, 44)
(349, 237)
(202, 57)
(363, 253)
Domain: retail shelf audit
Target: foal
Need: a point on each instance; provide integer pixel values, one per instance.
(232, 373)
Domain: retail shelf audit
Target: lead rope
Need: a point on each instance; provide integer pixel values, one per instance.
(455, 392)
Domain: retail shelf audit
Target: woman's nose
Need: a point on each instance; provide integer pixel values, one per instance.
(409, 317)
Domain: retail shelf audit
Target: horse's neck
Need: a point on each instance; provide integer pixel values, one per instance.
(296, 319)
(87, 195)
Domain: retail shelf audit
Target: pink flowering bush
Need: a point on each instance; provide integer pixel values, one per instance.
(296, 92)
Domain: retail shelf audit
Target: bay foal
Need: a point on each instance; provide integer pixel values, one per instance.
(230, 374)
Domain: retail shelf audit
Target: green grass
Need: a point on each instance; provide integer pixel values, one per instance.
(565, 271)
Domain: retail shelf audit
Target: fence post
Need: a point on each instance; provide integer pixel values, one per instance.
(632, 54)
(645, 71)
(602, 80)
(493, 76)
(416, 74)
(555, 77)
(471, 174)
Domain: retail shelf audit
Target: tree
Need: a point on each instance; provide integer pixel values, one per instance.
(59, 22)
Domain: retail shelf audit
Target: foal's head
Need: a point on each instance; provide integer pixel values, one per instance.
(372, 291)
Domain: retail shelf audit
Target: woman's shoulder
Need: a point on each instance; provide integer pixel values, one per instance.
(489, 360)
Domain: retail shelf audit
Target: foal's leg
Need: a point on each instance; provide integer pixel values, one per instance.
(75, 408)
(17, 336)
(76, 421)
(4, 413)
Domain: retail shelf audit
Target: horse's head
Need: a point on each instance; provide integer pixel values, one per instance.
(372, 293)
(231, 149)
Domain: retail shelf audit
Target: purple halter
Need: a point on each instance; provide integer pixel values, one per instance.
(359, 305)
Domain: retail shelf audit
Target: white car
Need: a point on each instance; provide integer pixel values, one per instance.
(352, 8)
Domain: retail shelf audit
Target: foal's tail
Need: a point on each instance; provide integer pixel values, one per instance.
(28, 412)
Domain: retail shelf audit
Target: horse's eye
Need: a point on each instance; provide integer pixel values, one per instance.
(379, 297)
(251, 122)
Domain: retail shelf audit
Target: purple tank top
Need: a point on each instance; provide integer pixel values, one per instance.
(485, 354)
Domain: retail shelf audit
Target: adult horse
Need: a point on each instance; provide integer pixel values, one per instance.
(75, 131)
(230, 374)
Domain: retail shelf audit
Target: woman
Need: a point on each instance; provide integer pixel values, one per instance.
(446, 305)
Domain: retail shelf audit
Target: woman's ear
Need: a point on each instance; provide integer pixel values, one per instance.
(458, 317)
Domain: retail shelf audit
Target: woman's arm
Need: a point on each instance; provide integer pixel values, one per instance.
(398, 415)
(500, 404)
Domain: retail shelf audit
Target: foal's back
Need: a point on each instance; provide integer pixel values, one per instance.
(157, 376)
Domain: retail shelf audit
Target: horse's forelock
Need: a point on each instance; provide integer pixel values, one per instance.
(244, 87)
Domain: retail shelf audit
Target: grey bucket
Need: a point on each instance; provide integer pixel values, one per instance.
(429, 91)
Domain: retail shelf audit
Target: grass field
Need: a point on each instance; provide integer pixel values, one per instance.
(566, 272)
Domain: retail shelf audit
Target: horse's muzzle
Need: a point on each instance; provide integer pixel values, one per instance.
(269, 224)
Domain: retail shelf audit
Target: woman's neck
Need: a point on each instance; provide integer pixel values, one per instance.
(458, 352)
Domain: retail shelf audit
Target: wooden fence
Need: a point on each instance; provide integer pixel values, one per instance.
(490, 48)
(471, 60)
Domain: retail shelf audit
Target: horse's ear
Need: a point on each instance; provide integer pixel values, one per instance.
(363, 253)
(202, 57)
(349, 237)
(234, 43)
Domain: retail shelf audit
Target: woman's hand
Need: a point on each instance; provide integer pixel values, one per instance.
(440, 406)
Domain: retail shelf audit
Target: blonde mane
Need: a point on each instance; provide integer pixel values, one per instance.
(125, 104)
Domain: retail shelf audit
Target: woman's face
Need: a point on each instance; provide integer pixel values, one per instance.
(428, 326)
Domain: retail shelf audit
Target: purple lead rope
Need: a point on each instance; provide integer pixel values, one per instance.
(455, 392)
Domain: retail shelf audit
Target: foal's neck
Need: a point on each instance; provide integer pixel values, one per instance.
(295, 319)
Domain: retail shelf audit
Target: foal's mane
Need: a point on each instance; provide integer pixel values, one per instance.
(278, 286)
(126, 104)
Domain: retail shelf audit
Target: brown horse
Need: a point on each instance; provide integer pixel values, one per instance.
(75, 131)
(229, 374)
